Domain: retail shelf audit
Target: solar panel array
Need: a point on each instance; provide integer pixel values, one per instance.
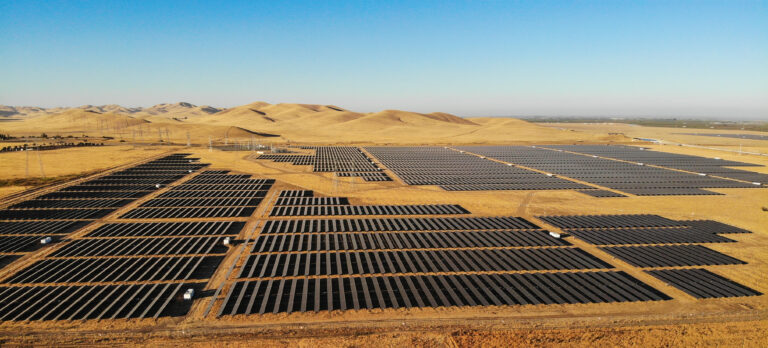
(671, 256)
(55, 214)
(696, 164)
(729, 135)
(653, 241)
(641, 229)
(155, 262)
(455, 171)
(329, 206)
(701, 283)
(624, 168)
(313, 264)
(344, 161)
(207, 195)
(93, 301)
(390, 262)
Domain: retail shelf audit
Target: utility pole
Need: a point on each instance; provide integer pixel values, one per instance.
(189, 143)
(335, 178)
(27, 167)
(210, 144)
(40, 160)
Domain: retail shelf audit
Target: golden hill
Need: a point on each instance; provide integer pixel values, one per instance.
(78, 122)
(289, 123)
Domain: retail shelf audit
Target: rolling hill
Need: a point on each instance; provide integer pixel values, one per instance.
(290, 122)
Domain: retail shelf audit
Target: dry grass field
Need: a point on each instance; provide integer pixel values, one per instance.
(28, 169)
(682, 321)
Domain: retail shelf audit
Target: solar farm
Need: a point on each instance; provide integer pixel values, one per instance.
(346, 234)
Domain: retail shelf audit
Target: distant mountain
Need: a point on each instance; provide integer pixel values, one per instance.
(8, 111)
(181, 109)
(177, 110)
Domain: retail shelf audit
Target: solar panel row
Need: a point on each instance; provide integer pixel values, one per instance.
(609, 221)
(226, 179)
(601, 193)
(643, 235)
(216, 193)
(124, 269)
(312, 201)
(204, 202)
(224, 187)
(418, 261)
(329, 210)
(142, 246)
(188, 213)
(327, 294)
(40, 227)
(396, 224)
(164, 229)
(54, 214)
(71, 203)
(375, 176)
(412, 240)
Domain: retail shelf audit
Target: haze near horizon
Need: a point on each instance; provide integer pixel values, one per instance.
(692, 59)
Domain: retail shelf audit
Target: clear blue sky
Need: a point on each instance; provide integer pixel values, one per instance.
(680, 58)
